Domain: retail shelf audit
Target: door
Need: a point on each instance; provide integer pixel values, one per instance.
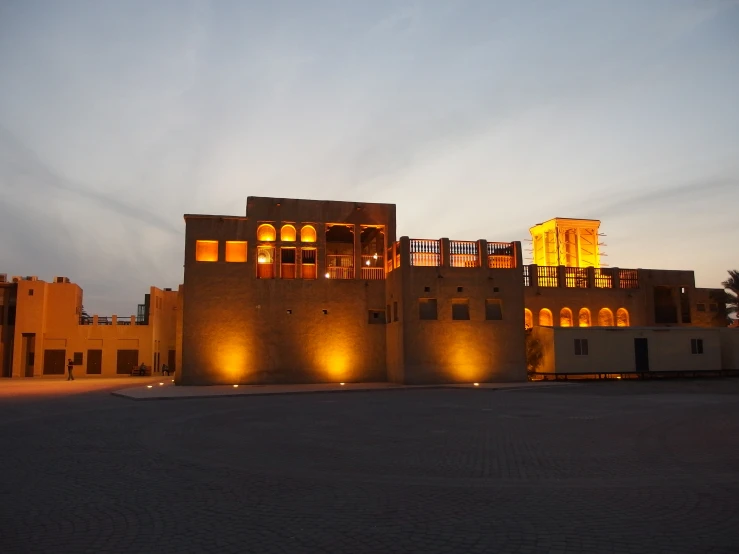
(641, 354)
(28, 346)
(172, 360)
(54, 362)
(94, 362)
(127, 360)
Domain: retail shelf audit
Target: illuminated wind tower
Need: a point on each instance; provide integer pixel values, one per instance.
(567, 242)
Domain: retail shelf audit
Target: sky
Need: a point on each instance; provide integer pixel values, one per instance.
(478, 119)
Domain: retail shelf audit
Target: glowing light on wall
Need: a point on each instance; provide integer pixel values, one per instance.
(266, 233)
(307, 234)
(528, 319)
(328, 276)
(287, 233)
(235, 251)
(206, 251)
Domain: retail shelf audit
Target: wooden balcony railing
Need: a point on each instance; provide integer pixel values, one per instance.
(425, 252)
(463, 253)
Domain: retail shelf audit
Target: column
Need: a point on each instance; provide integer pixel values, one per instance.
(445, 253)
(482, 253)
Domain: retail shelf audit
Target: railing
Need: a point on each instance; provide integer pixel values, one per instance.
(526, 277)
(501, 255)
(547, 276)
(501, 262)
(500, 249)
(628, 278)
(463, 253)
(85, 320)
(105, 320)
(603, 278)
(340, 266)
(373, 273)
(340, 272)
(425, 252)
(576, 277)
(123, 322)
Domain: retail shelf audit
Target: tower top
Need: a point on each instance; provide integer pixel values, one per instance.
(571, 242)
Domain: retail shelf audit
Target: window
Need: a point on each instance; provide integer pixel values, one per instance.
(545, 318)
(266, 233)
(584, 317)
(460, 289)
(460, 309)
(581, 347)
(307, 234)
(496, 289)
(565, 317)
(325, 312)
(265, 262)
(696, 346)
(427, 309)
(308, 263)
(376, 317)
(605, 318)
(30, 292)
(426, 289)
(395, 311)
(287, 263)
(493, 309)
(77, 358)
(235, 251)
(206, 251)
(684, 306)
(287, 233)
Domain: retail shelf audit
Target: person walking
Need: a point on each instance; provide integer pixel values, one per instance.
(70, 367)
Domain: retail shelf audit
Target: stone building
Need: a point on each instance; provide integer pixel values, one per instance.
(42, 325)
(300, 291)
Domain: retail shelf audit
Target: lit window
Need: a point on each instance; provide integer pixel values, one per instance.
(307, 234)
(235, 251)
(287, 233)
(265, 262)
(206, 251)
(266, 233)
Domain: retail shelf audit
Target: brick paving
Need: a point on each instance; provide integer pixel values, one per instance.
(605, 467)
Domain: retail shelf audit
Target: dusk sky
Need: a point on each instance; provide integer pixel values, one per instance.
(477, 118)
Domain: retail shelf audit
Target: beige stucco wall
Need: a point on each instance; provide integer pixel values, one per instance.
(611, 350)
(52, 314)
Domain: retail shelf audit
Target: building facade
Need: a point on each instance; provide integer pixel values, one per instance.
(304, 291)
(42, 325)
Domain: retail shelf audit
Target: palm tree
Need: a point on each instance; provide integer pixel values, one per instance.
(732, 288)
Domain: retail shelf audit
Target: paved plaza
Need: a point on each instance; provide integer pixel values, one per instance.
(648, 467)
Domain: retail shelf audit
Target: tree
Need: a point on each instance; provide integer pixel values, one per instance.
(732, 288)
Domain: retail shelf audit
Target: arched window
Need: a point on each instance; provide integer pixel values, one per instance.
(287, 233)
(622, 317)
(565, 317)
(605, 318)
(528, 319)
(307, 234)
(545, 317)
(266, 233)
(584, 317)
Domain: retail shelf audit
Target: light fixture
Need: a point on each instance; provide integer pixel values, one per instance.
(328, 275)
(173, 380)
(375, 256)
(477, 384)
(262, 259)
(160, 384)
(236, 386)
(342, 384)
(367, 262)
(148, 386)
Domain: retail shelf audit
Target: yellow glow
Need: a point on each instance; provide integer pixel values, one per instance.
(206, 251)
(235, 251)
(160, 384)
(236, 386)
(584, 317)
(173, 380)
(342, 384)
(545, 317)
(375, 256)
(262, 259)
(287, 233)
(367, 262)
(622, 317)
(477, 384)
(266, 233)
(307, 234)
(328, 275)
(148, 386)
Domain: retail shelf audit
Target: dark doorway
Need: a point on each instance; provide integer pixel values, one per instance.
(55, 362)
(172, 360)
(94, 362)
(127, 360)
(641, 354)
(28, 347)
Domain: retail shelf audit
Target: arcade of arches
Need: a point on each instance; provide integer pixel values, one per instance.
(605, 318)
